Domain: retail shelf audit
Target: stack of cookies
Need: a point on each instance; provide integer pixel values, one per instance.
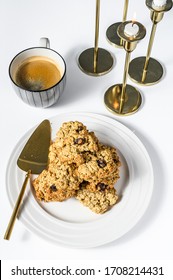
(79, 166)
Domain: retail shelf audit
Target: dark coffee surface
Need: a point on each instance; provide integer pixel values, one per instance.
(37, 73)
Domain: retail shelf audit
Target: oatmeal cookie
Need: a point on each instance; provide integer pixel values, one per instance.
(72, 142)
(101, 184)
(64, 155)
(104, 183)
(53, 154)
(70, 128)
(75, 133)
(113, 152)
(79, 165)
(99, 201)
(104, 164)
(57, 183)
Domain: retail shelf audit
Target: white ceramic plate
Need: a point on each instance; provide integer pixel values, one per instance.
(69, 222)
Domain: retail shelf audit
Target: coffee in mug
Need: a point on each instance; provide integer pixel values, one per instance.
(37, 73)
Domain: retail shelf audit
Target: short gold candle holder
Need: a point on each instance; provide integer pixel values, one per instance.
(124, 99)
(146, 70)
(112, 34)
(96, 61)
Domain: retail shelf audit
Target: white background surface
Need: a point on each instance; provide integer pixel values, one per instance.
(70, 28)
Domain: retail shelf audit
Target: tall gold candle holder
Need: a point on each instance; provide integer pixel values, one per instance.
(96, 61)
(124, 99)
(146, 70)
(112, 34)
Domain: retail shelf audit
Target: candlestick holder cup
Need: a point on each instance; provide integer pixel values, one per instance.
(96, 61)
(124, 99)
(112, 34)
(146, 70)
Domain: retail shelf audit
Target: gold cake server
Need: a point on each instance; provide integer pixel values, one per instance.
(33, 159)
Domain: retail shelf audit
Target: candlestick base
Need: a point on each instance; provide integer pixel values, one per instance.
(112, 35)
(153, 74)
(103, 65)
(130, 105)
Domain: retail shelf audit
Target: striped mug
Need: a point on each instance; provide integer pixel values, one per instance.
(38, 75)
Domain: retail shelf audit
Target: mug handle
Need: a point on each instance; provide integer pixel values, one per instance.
(44, 42)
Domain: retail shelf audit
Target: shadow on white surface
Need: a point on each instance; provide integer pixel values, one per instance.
(78, 83)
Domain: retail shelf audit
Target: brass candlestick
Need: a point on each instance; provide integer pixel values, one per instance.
(96, 61)
(123, 99)
(146, 70)
(112, 34)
